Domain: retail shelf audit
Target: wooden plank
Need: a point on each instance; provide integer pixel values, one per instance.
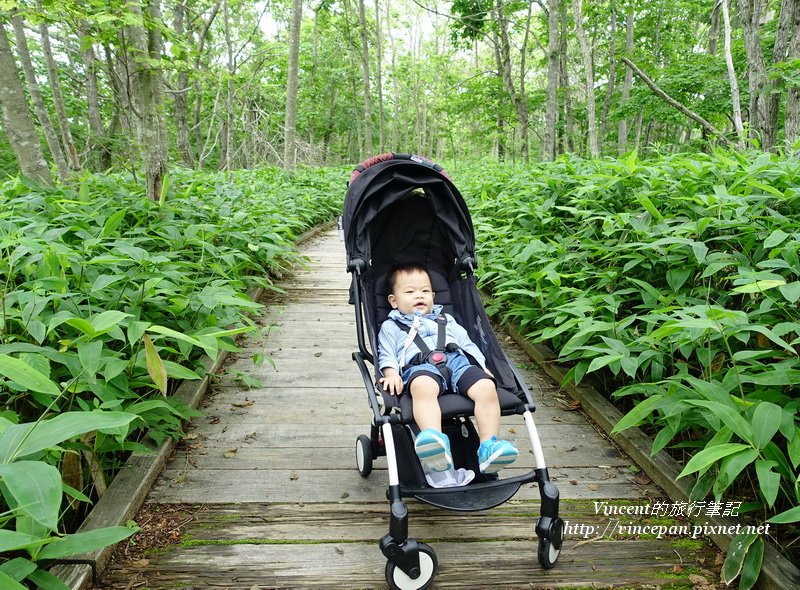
(196, 453)
(368, 522)
(188, 485)
(494, 564)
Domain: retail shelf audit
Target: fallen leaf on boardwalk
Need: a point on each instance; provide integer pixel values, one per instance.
(191, 436)
(593, 487)
(293, 476)
(229, 453)
(641, 479)
(244, 404)
(512, 430)
(213, 419)
(698, 580)
(197, 446)
(557, 419)
(573, 482)
(345, 495)
(142, 562)
(572, 406)
(340, 551)
(677, 569)
(317, 354)
(250, 437)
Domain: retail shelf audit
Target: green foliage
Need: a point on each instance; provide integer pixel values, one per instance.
(107, 299)
(676, 283)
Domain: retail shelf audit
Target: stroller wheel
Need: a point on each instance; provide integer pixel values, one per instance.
(364, 455)
(399, 580)
(547, 553)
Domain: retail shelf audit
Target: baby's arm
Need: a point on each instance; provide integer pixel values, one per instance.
(391, 381)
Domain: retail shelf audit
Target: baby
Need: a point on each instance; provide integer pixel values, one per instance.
(406, 366)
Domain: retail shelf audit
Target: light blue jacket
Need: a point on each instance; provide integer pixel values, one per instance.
(392, 339)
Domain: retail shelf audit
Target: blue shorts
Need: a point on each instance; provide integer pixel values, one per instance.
(463, 375)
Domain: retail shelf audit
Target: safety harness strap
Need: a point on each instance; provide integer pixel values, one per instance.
(426, 354)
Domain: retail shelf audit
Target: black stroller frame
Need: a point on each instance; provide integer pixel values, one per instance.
(416, 213)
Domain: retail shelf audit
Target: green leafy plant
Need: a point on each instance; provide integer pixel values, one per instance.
(674, 284)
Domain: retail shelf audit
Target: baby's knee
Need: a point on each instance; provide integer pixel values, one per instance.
(483, 390)
(424, 385)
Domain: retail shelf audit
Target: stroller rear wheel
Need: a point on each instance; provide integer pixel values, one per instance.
(364, 455)
(428, 565)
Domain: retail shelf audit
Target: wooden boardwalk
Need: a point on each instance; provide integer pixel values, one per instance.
(268, 496)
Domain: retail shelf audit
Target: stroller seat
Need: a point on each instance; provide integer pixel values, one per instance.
(452, 404)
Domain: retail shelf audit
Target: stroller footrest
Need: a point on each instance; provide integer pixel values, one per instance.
(470, 499)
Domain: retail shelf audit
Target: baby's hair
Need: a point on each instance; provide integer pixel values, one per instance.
(404, 267)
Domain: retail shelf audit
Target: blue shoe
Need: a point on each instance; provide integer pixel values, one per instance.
(494, 454)
(433, 449)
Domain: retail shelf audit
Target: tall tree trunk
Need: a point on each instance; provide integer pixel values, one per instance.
(588, 71)
(58, 99)
(148, 44)
(17, 121)
(37, 101)
(612, 73)
(97, 139)
(379, 78)
(226, 154)
(395, 84)
(569, 134)
(713, 34)
(553, 66)
(198, 94)
(181, 102)
(503, 58)
(622, 137)
(779, 53)
(760, 117)
(734, 83)
(792, 124)
(362, 25)
(289, 149)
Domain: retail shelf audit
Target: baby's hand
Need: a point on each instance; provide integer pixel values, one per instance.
(393, 384)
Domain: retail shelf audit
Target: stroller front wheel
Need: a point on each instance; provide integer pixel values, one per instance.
(364, 455)
(547, 553)
(428, 565)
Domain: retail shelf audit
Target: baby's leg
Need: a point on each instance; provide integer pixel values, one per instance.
(487, 408)
(425, 393)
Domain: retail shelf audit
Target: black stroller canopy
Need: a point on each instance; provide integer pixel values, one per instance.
(434, 227)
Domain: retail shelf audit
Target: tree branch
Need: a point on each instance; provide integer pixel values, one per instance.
(675, 104)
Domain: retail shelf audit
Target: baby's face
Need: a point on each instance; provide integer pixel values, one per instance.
(412, 293)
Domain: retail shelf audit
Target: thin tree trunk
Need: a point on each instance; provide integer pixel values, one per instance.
(713, 34)
(503, 57)
(226, 154)
(395, 84)
(97, 140)
(750, 14)
(622, 133)
(289, 149)
(362, 25)
(588, 71)
(675, 104)
(612, 73)
(569, 134)
(58, 99)
(17, 122)
(37, 101)
(379, 78)
(198, 100)
(181, 102)
(779, 53)
(734, 84)
(553, 65)
(152, 132)
(792, 124)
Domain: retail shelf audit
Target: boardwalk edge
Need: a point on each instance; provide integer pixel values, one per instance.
(128, 490)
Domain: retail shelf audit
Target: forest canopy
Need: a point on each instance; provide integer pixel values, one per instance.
(230, 84)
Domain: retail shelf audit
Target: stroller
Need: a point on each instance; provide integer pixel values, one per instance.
(402, 208)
